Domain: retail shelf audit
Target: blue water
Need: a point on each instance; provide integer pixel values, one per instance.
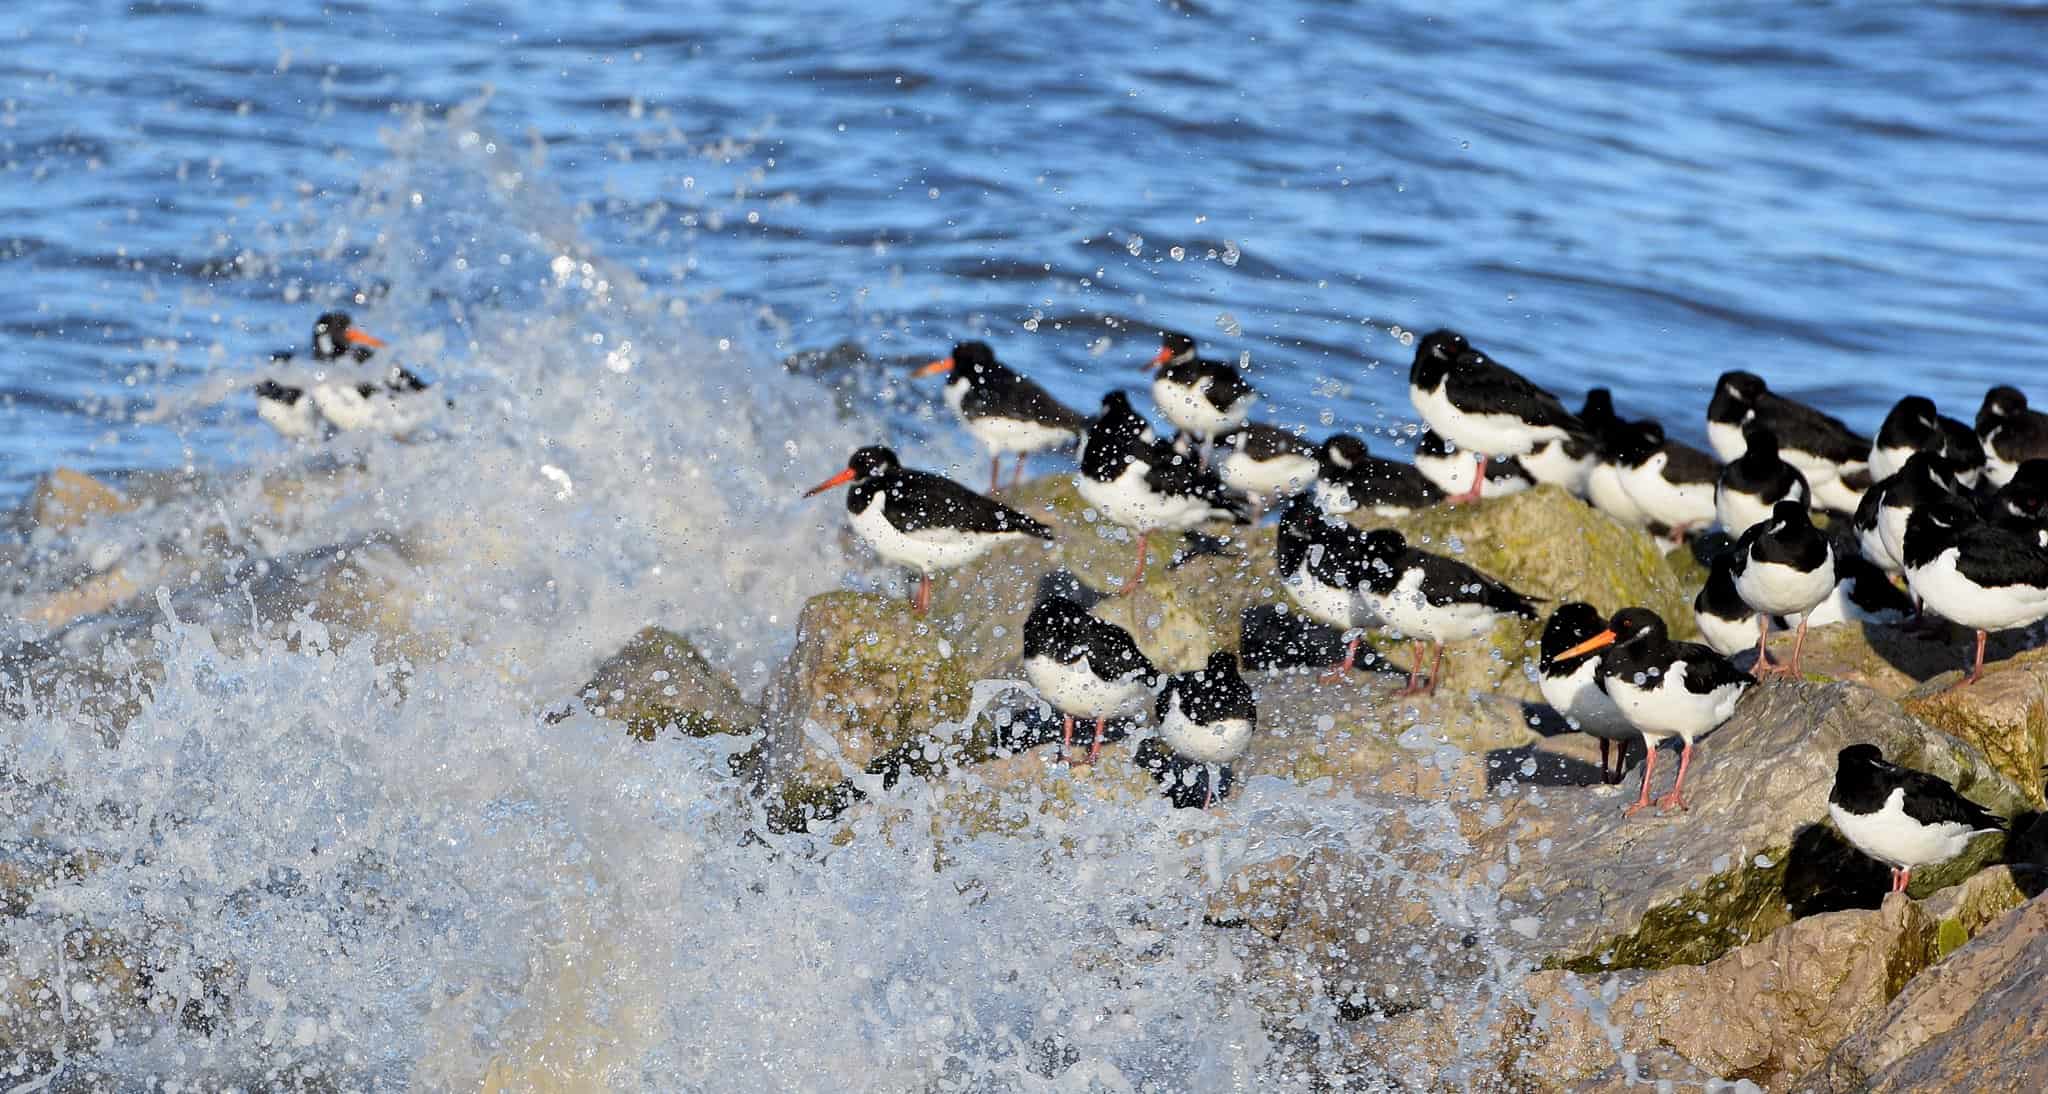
(1845, 198)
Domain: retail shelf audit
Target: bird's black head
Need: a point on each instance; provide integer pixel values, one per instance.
(335, 336)
(2026, 495)
(1432, 445)
(1434, 354)
(866, 464)
(1055, 628)
(974, 358)
(1598, 409)
(1924, 475)
(1859, 759)
(1791, 513)
(1933, 528)
(1635, 443)
(1735, 397)
(1761, 441)
(2002, 401)
(1383, 548)
(1570, 625)
(1912, 421)
(1341, 452)
(1636, 625)
(1222, 665)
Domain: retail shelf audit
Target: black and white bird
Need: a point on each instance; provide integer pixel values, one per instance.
(1084, 667)
(1144, 485)
(1725, 620)
(1975, 573)
(1453, 473)
(1565, 463)
(1672, 483)
(1664, 688)
(1427, 596)
(1603, 482)
(1203, 398)
(1783, 566)
(1208, 716)
(2010, 432)
(291, 409)
(1901, 817)
(1009, 414)
(2022, 503)
(1863, 594)
(1572, 688)
(1752, 485)
(1880, 519)
(1914, 426)
(1484, 408)
(1349, 478)
(1264, 462)
(922, 521)
(1834, 458)
(1322, 564)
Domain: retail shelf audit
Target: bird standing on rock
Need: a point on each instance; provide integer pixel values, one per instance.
(1914, 426)
(1424, 595)
(1664, 688)
(1349, 478)
(1833, 457)
(1725, 620)
(2010, 432)
(1084, 667)
(1454, 473)
(1202, 398)
(1783, 566)
(1980, 575)
(1482, 407)
(1007, 413)
(1603, 482)
(1901, 817)
(1208, 716)
(1322, 564)
(1572, 688)
(1144, 485)
(1267, 462)
(922, 521)
(1672, 484)
(1753, 483)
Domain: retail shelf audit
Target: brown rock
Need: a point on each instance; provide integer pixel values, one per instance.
(67, 499)
(2005, 714)
(658, 680)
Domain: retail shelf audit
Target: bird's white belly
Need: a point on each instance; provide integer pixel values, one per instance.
(1958, 599)
(1673, 505)
(381, 411)
(1589, 710)
(1727, 441)
(1836, 495)
(1872, 543)
(1288, 474)
(1784, 590)
(1891, 532)
(925, 551)
(1818, 470)
(1003, 436)
(1885, 462)
(1405, 611)
(1076, 690)
(1662, 707)
(1736, 511)
(289, 419)
(1895, 839)
(1127, 501)
(1604, 490)
(1492, 434)
(1453, 474)
(1188, 407)
(1724, 637)
(1218, 742)
(1341, 608)
(1548, 463)
(1998, 471)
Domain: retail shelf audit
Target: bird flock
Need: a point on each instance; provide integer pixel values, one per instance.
(1957, 512)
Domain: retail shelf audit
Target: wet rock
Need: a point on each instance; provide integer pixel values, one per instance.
(659, 681)
(1976, 1022)
(1359, 733)
(67, 499)
(1766, 1012)
(2005, 714)
(1601, 891)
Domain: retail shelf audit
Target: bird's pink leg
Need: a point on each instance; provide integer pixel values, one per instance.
(1976, 667)
(1414, 684)
(1095, 750)
(1017, 480)
(1764, 665)
(1436, 669)
(1642, 801)
(1140, 574)
(995, 471)
(1066, 736)
(1677, 795)
(923, 603)
(1478, 486)
(1798, 646)
(1338, 673)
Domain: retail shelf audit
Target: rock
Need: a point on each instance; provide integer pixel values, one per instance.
(2005, 714)
(1754, 851)
(658, 681)
(1976, 1022)
(1767, 1012)
(67, 499)
(866, 677)
(1362, 735)
(92, 595)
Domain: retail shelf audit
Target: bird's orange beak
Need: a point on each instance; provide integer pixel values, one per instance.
(1165, 354)
(943, 364)
(358, 338)
(1598, 641)
(841, 479)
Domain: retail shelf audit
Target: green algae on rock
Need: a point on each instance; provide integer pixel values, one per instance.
(2004, 714)
(658, 680)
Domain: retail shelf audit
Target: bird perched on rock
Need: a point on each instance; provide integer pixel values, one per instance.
(1144, 485)
(1980, 575)
(1664, 688)
(1454, 473)
(1008, 414)
(1671, 483)
(1752, 484)
(1422, 595)
(1880, 519)
(1900, 817)
(1833, 457)
(1265, 462)
(1863, 594)
(1572, 688)
(1783, 566)
(1322, 565)
(1914, 426)
(1208, 715)
(2010, 432)
(922, 521)
(1725, 620)
(1482, 407)
(1205, 399)
(1084, 667)
(1603, 482)
(1349, 478)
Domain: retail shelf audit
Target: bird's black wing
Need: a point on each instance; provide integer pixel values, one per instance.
(1684, 463)
(919, 500)
(1227, 387)
(1931, 800)
(1489, 388)
(1177, 475)
(1113, 654)
(1705, 670)
(1799, 426)
(1996, 557)
(1447, 581)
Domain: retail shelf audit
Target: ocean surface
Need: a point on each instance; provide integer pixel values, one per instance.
(602, 231)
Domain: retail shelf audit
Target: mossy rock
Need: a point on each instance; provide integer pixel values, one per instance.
(2004, 714)
(659, 681)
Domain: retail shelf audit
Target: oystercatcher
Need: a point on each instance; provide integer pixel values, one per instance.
(1671, 483)
(1925, 480)
(1423, 595)
(923, 521)
(1833, 457)
(1567, 463)
(1980, 575)
(2009, 432)
(1144, 485)
(1008, 414)
(1914, 426)
(1783, 566)
(1482, 407)
(1724, 619)
(1322, 564)
(1664, 689)
(1752, 485)
(2022, 503)
(1901, 817)
(291, 410)
(1453, 472)
(396, 404)
(1203, 398)
(1208, 716)
(1267, 462)
(1603, 483)
(1572, 688)
(1084, 667)
(1862, 594)
(1349, 477)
